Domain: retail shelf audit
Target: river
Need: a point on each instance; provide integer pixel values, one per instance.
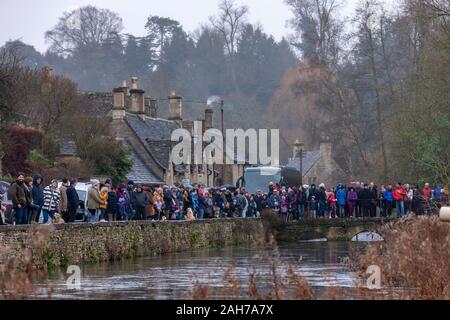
(171, 276)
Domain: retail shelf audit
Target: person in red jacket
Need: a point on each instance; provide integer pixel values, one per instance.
(426, 192)
(399, 196)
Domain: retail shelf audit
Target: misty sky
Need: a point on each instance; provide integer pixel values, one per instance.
(27, 20)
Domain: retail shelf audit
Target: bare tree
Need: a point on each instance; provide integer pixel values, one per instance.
(229, 23)
(84, 28)
(441, 8)
(9, 67)
(370, 31)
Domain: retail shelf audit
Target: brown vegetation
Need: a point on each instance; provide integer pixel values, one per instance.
(415, 255)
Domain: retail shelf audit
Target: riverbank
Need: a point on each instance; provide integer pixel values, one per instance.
(53, 246)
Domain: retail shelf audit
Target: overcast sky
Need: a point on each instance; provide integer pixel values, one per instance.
(27, 20)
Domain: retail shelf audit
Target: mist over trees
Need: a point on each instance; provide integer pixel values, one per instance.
(376, 83)
(226, 56)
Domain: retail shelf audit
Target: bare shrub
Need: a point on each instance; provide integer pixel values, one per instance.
(415, 255)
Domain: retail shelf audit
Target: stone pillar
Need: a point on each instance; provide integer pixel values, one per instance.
(325, 149)
(137, 99)
(175, 108)
(119, 98)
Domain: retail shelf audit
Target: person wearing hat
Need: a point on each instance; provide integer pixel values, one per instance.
(94, 201)
(139, 201)
(321, 197)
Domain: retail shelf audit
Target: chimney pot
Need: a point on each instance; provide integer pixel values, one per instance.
(134, 83)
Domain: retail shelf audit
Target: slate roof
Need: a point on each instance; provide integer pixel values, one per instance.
(155, 135)
(97, 103)
(160, 150)
(151, 129)
(140, 172)
(309, 160)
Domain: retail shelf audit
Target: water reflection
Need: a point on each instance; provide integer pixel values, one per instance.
(171, 276)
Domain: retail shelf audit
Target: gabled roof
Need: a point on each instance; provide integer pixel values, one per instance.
(309, 160)
(140, 172)
(154, 134)
(160, 150)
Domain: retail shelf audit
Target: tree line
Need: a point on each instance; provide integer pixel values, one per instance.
(226, 56)
(377, 83)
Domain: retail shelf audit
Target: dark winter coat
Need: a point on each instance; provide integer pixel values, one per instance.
(112, 203)
(259, 202)
(139, 199)
(73, 201)
(17, 194)
(38, 191)
(28, 195)
(365, 197)
(321, 195)
(312, 193)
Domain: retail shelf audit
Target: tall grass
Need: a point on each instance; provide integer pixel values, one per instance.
(415, 256)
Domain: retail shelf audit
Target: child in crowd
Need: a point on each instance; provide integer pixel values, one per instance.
(190, 215)
(103, 207)
(313, 207)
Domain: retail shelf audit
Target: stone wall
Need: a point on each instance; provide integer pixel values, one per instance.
(63, 245)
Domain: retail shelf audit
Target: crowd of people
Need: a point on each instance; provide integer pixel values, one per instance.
(60, 202)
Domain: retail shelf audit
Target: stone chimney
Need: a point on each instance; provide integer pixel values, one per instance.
(119, 98)
(188, 125)
(137, 99)
(298, 147)
(134, 83)
(151, 107)
(175, 108)
(325, 148)
(208, 117)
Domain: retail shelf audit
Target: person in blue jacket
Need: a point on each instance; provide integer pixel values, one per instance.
(389, 200)
(341, 197)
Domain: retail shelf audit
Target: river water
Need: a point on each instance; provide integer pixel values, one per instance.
(171, 276)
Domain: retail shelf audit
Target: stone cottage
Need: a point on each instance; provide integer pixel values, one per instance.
(317, 166)
(134, 120)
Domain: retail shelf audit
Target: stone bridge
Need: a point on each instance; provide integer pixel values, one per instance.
(332, 230)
